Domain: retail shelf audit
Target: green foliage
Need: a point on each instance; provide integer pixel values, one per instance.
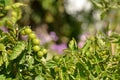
(95, 61)
(72, 45)
(17, 50)
(106, 6)
(2, 6)
(98, 59)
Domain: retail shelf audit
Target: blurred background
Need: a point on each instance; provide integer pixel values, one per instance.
(56, 22)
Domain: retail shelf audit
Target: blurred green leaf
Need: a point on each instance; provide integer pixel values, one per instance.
(98, 69)
(73, 44)
(2, 77)
(1, 60)
(103, 14)
(2, 47)
(86, 46)
(39, 77)
(51, 64)
(96, 4)
(17, 50)
(8, 2)
(5, 58)
(82, 70)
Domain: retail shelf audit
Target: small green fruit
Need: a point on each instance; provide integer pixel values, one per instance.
(28, 30)
(32, 36)
(22, 32)
(40, 53)
(44, 51)
(36, 48)
(36, 41)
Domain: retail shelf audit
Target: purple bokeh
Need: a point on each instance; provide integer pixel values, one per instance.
(24, 37)
(53, 36)
(58, 47)
(82, 39)
(4, 29)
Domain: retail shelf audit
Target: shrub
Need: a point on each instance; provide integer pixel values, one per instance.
(98, 59)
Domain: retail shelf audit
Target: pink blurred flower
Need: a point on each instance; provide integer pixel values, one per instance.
(58, 47)
(109, 32)
(25, 37)
(83, 38)
(44, 38)
(4, 29)
(81, 44)
(53, 36)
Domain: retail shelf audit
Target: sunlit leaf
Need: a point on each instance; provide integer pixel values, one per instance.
(2, 77)
(39, 77)
(2, 47)
(15, 5)
(72, 44)
(86, 46)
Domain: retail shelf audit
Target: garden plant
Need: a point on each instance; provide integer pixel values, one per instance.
(98, 59)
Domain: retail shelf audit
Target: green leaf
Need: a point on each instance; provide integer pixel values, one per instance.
(72, 44)
(8, 79)
(51, 64)
(1, 60)
(39, 77)
(1, 14)
(86, 46)
(15, 5)
(17, 50)
(30, 60)
(2, 77)
(23, 59)
(82, 69)
(2, 47)
(2, 4)
(8, 2)
(98, 69)
(9, 24)
(11, 38)
(103, 14)
(96, 4)
(5, 58)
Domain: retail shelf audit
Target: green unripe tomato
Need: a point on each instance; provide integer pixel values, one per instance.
(32, 36)
(36, 48)
(40, 53)
(22, 32)
(44, 51)
(28, 30)
(36, 41)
